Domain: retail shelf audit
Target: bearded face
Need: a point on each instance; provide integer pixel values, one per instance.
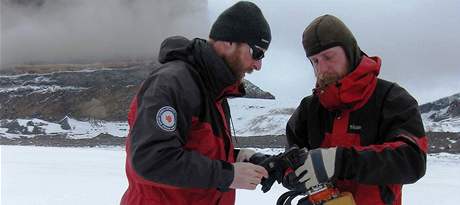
(324, 79)
(241, 62)
(330, 65)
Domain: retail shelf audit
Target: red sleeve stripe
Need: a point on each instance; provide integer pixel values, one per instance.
(132, 112)
(422, 143)
(380, 147)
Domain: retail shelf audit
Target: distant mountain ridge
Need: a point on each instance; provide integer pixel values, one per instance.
(83, 93)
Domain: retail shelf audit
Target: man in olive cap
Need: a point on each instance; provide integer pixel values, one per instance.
(363, 133)
(179, 149)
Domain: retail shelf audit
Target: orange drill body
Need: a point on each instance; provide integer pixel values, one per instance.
(327, 194)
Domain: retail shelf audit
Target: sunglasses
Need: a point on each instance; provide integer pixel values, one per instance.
(256, 52)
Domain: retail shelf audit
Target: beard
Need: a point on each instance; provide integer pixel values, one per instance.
(236, 66)
(325, 79)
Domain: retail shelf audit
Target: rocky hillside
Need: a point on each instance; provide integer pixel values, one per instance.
(442, 115)
(450, 105)
(83, 93)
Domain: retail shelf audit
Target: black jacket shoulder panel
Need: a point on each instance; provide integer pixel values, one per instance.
(401, 114)
(297, 126)
(182, 81)
(369, 117)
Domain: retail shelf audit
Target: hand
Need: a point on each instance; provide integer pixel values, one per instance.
(311, 168)
(247, 175)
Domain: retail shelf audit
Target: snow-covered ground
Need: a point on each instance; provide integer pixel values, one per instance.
(78, 129)
(50, 175)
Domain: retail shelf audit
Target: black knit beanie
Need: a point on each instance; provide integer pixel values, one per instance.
(328, 31)
(243, 22)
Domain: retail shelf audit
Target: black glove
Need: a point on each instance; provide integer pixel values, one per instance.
(311, 168)
(276, 166)
(265, 161)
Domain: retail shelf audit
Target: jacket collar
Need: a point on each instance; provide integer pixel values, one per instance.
(354, 90)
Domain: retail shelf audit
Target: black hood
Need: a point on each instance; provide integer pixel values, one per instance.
(212, 69)
(173, 48)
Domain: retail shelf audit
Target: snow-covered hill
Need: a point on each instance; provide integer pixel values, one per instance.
(250, 117)
(442, 115)
(68, 127)
(269, 117)
(256, 117)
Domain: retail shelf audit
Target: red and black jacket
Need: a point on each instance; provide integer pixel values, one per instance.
(381, 140)
(179, 148)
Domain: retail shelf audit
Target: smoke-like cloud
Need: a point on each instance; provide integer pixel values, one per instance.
(80, 31)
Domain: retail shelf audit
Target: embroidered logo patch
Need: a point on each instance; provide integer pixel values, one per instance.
(166, 118)
(355, 127)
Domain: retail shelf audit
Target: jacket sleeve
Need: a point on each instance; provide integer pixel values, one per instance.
(157, 143)
(400, 156)
(296, 128)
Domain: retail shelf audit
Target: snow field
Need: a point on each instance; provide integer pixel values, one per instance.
(75, 176)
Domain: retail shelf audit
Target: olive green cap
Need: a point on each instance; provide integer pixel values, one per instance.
(328, 31)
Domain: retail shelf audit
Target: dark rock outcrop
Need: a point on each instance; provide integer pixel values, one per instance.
(454, 108)
(65, 123)
(14, 127)
(252, 91)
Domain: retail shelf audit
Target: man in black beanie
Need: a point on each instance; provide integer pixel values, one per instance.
(179, 149)
(363, 133)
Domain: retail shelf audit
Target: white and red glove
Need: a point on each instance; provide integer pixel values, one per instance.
(310, 168)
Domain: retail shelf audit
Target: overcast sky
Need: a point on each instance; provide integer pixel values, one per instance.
(418, 40)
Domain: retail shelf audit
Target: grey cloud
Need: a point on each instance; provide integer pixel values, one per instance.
(61, 31)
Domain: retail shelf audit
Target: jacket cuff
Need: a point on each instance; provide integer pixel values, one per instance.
(226, 178)
(338, 172)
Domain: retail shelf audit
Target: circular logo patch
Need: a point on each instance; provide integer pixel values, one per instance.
(166, 118)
